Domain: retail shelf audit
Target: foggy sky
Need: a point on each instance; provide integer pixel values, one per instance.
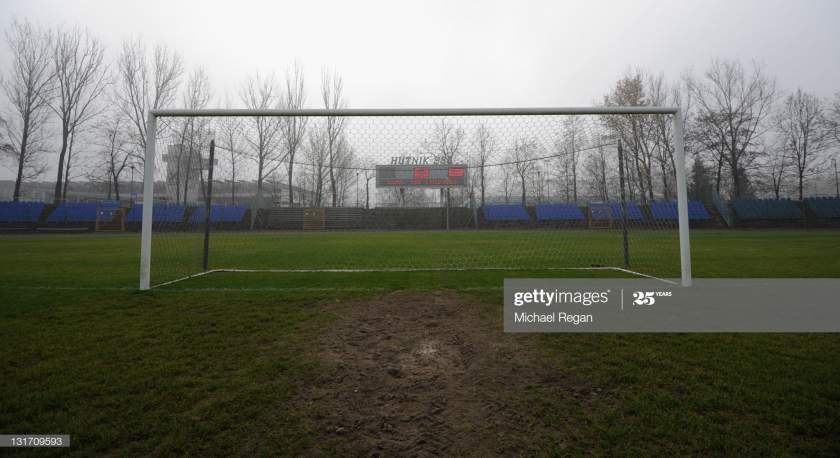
(469, 53)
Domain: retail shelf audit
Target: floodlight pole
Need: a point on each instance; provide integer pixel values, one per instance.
(148, 198)
(682, 199)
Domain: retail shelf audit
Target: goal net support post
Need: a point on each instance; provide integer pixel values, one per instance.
(380, 139)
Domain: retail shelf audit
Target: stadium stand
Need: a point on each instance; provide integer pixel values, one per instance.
(766, 209)
(668, 210)
(559, 212)
(20, 212)
(634, 212)
(824, 207)
(219, 214)
(67, 213)
(161, 213)
(505, 212)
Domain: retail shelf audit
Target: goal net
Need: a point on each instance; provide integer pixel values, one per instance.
(406, 190)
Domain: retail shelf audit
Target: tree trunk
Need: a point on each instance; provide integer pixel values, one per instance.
(117, 186)
(67, 168)
(291, 194)
(232, 182)
(736, 182)
(187, 175)
(24, 139)
(801, 183)
(482, 185)
(65, 133)
(665, 192)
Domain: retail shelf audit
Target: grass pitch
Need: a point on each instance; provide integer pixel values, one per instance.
(218, 364)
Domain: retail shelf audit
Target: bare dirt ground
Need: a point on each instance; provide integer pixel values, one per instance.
(426, 374)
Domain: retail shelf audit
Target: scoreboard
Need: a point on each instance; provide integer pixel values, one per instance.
(421, 176)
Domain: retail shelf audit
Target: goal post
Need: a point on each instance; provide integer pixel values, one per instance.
(410, 170)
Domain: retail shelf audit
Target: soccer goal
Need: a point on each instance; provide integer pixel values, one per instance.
(369, 190)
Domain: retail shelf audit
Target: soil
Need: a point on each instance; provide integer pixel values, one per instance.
(429, 374)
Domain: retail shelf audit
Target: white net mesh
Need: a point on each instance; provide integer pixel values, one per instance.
(452, 192)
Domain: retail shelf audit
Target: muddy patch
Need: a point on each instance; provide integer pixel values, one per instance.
(427, 374)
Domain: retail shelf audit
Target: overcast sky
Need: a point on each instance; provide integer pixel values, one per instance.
(467, 53)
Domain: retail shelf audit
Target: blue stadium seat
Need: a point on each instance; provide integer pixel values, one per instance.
(668, 210)
(766, 209)
(20, 212)
(614, 210)
(161, 213)
(506, 212)
(559, 212)
(219, 214)
(824, 207)
(67, 212)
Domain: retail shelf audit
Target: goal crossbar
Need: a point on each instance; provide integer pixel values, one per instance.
(678, 134)
(345, 112)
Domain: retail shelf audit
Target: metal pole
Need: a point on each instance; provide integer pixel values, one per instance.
(836, 180)
(148, 203)
(447, 209)
(682, 199)
(626, 243)
(418, 111)
(208, 200)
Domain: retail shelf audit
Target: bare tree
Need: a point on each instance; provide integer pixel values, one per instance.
(522, 156)
(294, 127)
(259, 93)
(804, 136)
(5, 146)
(486, 144)
(661, 94)
(597, 167)
(777, 169)
(571, 140)
(369, 173)
(78, 60)
(332, 94)
(230, 141)
(344, 168)
(507, 181)
(28, 86)
(636, 132)
(144, 85)
(445, 144)
(317, 157)
(73, 157)
(193, 132)
(113, 147)
(732, 107)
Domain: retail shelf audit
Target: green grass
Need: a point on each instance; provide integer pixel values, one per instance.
(95, 261)
(212, 371)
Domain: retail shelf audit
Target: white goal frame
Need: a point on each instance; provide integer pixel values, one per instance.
(678, 133)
